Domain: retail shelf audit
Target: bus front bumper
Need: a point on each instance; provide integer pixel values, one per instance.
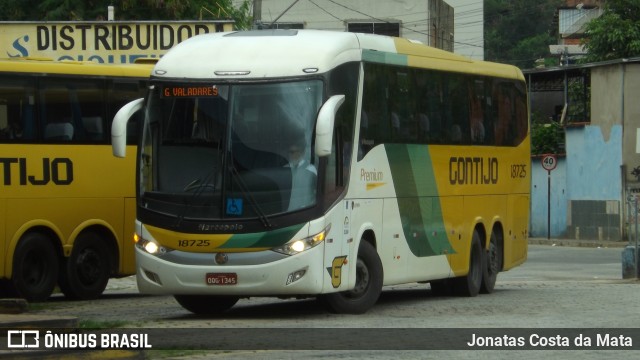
(300, 274)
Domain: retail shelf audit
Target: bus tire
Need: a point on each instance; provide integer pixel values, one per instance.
(85, 273)
(206, 304)
(469, 285)
(35, 267)
(369, 279)
(492, 264)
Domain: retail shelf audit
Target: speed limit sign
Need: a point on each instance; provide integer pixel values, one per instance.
(549, 162)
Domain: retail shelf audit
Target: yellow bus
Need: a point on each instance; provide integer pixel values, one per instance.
(297, 163)
(67, 206)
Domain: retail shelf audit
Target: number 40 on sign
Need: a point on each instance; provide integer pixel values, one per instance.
(549, 162)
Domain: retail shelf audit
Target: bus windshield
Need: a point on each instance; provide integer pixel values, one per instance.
(213, 151)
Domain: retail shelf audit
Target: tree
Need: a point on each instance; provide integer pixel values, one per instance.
(89, 10)
(518, 32)
(616, 33)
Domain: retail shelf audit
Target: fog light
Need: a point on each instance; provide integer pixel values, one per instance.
(295, 276)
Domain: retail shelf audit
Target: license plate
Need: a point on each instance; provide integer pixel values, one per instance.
(221, 278)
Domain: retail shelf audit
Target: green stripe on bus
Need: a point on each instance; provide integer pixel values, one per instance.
(417, 196)
(384, 57)
(265, 239)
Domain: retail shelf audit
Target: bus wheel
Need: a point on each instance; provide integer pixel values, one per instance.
(35, 267)
(86, 272)
(469, 285)
(369, 278)
(206, 304)
(492, 265)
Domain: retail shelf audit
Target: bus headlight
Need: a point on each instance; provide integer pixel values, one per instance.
(149, 246)
(297, 246)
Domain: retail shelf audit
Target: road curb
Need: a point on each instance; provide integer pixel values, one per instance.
(32, 321)
(578, 243)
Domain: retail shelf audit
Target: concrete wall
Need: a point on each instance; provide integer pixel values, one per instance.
(631, 114)
(585, 188)
(602, 165)
(614, 94)
(594, 182)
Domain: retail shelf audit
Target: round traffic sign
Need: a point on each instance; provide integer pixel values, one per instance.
(549, 162)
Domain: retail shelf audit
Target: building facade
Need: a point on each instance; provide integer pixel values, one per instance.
(596, 185)
(569, 25)
(428, 21)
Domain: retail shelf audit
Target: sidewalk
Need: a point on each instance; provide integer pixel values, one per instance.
(578, 243)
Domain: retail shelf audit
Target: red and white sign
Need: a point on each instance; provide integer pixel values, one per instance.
(549, 162)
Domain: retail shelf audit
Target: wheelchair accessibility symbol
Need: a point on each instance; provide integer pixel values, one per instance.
(234, 206)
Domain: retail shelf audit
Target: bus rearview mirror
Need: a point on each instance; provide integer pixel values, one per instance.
(324, 126)
(119, 127)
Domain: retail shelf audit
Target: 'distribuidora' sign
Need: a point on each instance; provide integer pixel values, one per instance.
(114, 42)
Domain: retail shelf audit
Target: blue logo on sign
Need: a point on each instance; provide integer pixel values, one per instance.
(234, 206)
(21, 49)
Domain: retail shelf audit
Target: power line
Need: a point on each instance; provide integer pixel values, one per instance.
(389, 22)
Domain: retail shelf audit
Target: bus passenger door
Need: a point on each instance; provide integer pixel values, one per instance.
(338, 254)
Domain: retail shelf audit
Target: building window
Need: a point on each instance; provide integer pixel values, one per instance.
(283, 25)
(380, 28)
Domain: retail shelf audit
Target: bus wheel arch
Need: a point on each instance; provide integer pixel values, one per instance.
(494, 259)
(85, 273)
(369, 281)
(36, 262)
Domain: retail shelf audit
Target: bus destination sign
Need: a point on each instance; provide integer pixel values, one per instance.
(189, 91)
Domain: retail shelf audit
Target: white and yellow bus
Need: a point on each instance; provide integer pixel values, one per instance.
(67, 206)
(313, 163)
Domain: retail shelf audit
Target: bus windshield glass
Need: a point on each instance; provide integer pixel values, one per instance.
(214, 151)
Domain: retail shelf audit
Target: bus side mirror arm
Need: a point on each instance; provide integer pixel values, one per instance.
(119, 127)
(325, 124)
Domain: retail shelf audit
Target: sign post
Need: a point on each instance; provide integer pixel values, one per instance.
(549, 162)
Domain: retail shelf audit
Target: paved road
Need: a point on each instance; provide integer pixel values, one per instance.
(558, 287)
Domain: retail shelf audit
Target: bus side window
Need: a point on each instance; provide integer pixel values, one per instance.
(375, 122)
(73, 110)
(17, 121)
(4, 120)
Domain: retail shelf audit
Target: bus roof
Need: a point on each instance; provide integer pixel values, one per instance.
(49, 66)
(279, 53)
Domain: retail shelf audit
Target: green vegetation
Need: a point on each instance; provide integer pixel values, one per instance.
(90, 10)
(517, 32)
(546, 138)
(616, 33)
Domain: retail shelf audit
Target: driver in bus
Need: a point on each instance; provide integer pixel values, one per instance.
(303, 175)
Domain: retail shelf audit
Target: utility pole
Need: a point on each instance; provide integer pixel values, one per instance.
(279, 16)
(257, 14)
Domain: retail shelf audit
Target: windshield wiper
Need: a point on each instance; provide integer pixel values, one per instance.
(243, 188)
(199, 187)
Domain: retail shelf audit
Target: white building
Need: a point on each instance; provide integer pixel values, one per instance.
(469, 28)
(428, 21)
